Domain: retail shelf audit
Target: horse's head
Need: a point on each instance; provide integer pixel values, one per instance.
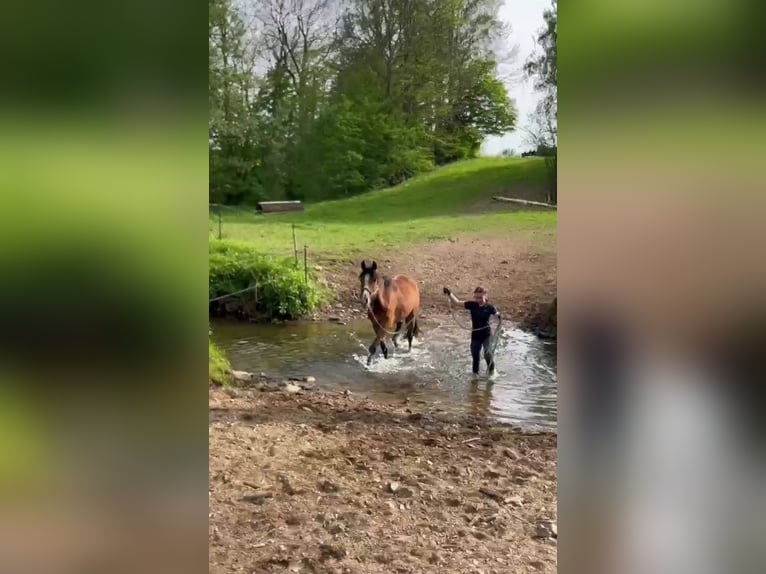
(368, 280)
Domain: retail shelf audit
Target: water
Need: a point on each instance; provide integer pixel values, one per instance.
(437, 370)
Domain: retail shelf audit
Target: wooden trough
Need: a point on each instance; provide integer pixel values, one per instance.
(279, 206)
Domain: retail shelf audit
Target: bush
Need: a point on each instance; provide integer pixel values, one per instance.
(282, 291)
(219, 369)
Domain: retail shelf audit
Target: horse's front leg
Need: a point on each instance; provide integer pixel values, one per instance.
(372, 349)
(384, 349)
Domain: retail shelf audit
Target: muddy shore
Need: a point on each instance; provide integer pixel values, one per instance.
(303, 481)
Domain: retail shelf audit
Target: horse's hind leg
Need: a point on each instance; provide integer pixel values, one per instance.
(411, 328)
(384, 349)
(396, 334)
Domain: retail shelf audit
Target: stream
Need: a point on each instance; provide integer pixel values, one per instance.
(437, 371)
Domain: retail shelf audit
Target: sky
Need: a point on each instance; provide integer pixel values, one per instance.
(525, 18)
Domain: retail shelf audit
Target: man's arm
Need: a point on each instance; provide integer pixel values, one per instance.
(452, 297)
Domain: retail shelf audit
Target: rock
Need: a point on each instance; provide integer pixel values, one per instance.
(393, 486)
(291, 388)
(404, 492)
(294, 519)
(258, 497)
(489, 493)
(471, 508)
(328, 486)
(546, 529)
(309, 380)
(435, 558)
(415, 417)
(514, 501)
(492, 473)
(331, 551)
(287, 487)
(334, 319)
(241, 376)
(512, 454)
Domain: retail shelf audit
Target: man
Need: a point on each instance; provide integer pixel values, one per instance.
(481, 312)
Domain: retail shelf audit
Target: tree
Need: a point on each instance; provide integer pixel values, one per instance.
(314, 99)
(543, 67)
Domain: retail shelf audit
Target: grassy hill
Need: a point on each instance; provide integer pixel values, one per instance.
(448, 201)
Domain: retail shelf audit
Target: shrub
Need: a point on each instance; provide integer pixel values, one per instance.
(282, 291)
(219, 369)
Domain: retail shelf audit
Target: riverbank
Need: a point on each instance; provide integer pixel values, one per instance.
(302, 481)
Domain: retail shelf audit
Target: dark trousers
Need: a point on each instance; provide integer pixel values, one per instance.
(476, 347)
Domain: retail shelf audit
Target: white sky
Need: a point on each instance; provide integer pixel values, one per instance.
(525, 18)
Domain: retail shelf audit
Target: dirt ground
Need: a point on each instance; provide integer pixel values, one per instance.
(328, 483)
(518, 270)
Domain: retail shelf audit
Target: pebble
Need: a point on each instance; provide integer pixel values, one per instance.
(493, 494)
(331, 551)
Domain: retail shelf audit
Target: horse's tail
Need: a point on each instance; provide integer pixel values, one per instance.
(416, 328)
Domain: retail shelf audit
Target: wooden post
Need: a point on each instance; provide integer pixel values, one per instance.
(306, 263)
(295, 247)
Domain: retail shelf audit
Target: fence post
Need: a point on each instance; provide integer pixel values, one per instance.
(295, 247)
(306, 263)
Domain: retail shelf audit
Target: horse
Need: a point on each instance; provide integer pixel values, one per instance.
(390, 302)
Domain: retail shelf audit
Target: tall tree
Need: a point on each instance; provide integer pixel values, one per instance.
(543, 67)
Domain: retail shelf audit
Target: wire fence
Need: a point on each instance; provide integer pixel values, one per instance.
(299, 254)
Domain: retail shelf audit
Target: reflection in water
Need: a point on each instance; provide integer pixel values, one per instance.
(436, 371)
(480, 399)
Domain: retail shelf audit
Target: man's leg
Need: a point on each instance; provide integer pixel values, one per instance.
(475, 350)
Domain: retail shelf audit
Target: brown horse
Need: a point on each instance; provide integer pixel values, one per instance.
(390, 302)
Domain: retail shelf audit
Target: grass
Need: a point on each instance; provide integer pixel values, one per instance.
(219, 369)
(452, 200)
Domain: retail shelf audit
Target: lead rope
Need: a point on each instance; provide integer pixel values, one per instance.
(494, 335)
(382, 328)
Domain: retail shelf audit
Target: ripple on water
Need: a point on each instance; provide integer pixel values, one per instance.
(436, 370)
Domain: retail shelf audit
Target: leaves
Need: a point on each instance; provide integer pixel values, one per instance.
(348, 96)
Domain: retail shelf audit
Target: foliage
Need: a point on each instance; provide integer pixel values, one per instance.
(314, 99)
(219, 369)
(282, 290)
